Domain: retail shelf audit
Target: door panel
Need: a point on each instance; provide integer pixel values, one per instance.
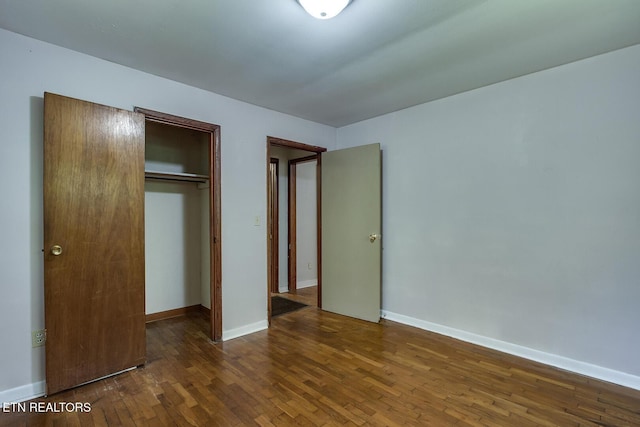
(94, 212)
(351, 213)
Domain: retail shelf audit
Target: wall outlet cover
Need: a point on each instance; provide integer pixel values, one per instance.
(38, 338)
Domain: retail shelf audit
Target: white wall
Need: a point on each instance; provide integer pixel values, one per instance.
(306, 228)
(174, 239)
(29, 68)
(512, 214)
(205, 247)
(282, 154)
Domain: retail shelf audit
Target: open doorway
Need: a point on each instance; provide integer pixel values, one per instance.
(293, 232)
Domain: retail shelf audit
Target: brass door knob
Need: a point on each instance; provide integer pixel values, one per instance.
(373, 237)
(56, 250)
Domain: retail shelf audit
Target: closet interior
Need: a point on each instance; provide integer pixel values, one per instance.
(177, 220)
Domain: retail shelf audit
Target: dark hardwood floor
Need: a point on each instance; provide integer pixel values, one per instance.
(315, 368)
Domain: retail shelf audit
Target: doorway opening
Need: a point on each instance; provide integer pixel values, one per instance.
(293, 222)
(182, 151)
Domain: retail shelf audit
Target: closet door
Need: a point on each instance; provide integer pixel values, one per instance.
(93, 241)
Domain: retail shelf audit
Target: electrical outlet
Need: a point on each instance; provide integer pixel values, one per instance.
(38, 338)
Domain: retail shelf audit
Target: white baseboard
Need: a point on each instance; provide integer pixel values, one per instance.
(307, 283)
(22, 393)
(582, 368)
(300, 285)
(245, 330)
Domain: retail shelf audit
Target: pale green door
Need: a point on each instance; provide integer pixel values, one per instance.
(351, 231)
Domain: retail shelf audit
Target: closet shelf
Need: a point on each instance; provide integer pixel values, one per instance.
(171, 176)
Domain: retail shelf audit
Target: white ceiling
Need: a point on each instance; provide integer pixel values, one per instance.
(376, 57)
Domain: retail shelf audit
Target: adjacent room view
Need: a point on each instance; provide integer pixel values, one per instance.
(293, 228)
(320, 212)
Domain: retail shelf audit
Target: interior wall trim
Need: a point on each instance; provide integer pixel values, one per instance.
(575, 366)
(245, 330)
(176, 312)
(307, 283)
(23, 393)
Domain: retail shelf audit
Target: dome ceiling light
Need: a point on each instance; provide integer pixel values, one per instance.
(324, 9)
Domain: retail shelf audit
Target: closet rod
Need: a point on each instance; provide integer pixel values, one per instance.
(172, 176)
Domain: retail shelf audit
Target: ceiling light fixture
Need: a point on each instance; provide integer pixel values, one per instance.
(324, 9)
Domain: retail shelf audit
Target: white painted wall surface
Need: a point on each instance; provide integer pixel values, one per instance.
(173, 245)
(512, 212)
(282, 155)
(29, 68)
(307, 231)
(205, 247)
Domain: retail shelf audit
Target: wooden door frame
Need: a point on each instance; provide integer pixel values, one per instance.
(215, 207)
(285, 143)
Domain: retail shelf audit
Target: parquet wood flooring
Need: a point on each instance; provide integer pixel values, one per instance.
(314, 368)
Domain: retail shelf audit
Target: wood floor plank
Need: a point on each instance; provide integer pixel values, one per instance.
(313, 368)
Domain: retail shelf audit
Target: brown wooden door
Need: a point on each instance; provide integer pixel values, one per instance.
(93, 241)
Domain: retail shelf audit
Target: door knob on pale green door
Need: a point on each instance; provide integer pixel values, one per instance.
(56, 250)
(373, 237)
